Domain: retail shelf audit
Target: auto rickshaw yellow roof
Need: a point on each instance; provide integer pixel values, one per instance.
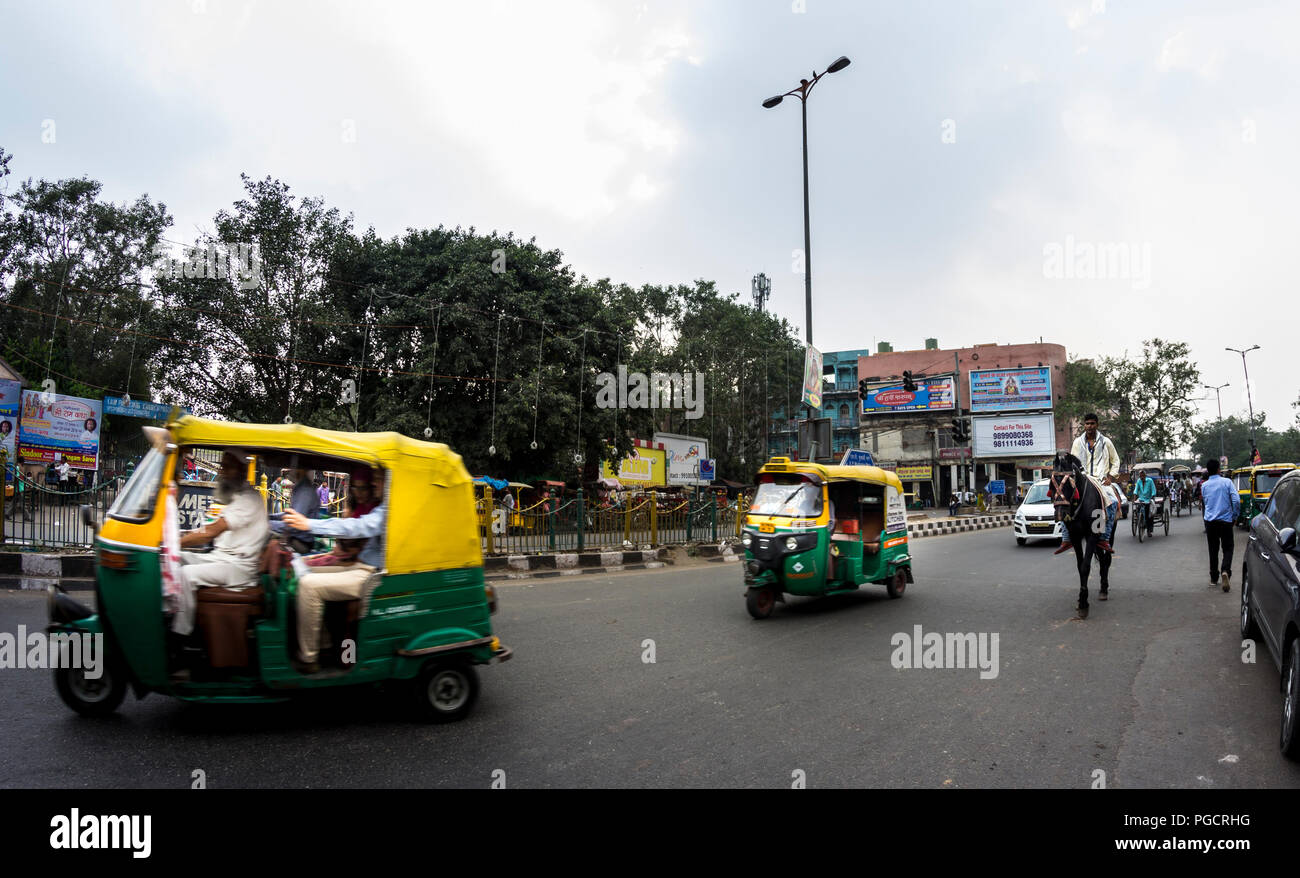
(366, 447)
(427, 484)
(872, 474)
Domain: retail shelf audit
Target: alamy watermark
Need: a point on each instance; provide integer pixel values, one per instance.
(659, 390)
(58, 649)
(241, 263)
(952, 650)
(1084, 260)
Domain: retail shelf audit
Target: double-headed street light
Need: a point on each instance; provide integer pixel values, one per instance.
(1249, 403)
(1216, 390)
(805, 87)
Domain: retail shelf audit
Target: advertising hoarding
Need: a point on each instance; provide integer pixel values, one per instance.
(1014, 436)
(684, 455)
(138, 408)
(642, 468)
(812, 378)
(11, 400)
(1009, 390)
(65, 427)
(931, 394)
(913, 472)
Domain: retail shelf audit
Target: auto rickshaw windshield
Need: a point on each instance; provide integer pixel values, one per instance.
(137, 500)
(787, 495)
(1265, 481)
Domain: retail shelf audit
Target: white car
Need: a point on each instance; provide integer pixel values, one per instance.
(1036, 517)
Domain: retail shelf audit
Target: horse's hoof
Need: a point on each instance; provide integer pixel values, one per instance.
(1081, 612)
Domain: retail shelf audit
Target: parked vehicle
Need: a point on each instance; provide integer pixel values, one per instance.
(422, 620)
(1270, 596)
(794, 545)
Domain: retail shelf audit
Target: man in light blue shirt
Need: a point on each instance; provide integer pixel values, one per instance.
(1220, 504)
(340, 582)
(1146, 492)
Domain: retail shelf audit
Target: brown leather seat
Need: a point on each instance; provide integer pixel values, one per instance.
(223, 615)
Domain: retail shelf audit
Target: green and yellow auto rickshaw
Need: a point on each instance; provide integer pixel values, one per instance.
(823, 530)
(422, 619)
(1262, 479)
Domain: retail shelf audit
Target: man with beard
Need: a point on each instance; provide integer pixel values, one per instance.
(237, 536)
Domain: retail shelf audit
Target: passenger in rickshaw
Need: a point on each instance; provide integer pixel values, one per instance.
(238, 536)
(305, 501)
(340, 582)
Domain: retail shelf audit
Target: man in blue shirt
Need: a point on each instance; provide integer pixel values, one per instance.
(1220, 504)
(1146, 492)
(341, 582)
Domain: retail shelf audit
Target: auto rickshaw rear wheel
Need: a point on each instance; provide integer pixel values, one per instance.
(760, 601)
(897, 583)
(92, 697)
(445, 690)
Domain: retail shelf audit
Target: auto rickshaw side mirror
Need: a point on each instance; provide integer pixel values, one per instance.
(88, 518)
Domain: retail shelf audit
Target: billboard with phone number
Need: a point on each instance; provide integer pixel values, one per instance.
(1023, 436)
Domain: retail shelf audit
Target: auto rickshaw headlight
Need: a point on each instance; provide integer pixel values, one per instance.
(746, 541)
(791, 543)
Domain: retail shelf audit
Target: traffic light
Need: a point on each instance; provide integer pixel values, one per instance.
(960, 432)
(862, 389)
(908, 384)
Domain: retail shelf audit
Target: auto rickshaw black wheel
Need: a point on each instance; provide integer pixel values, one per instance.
(760, 602)
(446, 690)
(92, 697)
(897, 583)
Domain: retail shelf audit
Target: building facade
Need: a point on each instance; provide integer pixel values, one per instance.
(839, 404)
(920, 443)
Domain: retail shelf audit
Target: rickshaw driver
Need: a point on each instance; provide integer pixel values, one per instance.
(238, 537)
(338, 582)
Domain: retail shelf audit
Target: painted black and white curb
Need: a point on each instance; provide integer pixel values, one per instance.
(32, 570)
(497, 568)
(959, 525)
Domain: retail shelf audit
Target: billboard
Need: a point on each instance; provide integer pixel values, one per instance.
(1009, 390)
(812, 378)
(913, 472)
(138, 408)
(642, 468)
(684, 455)
(53, 426)
(931, 394)
(1012, 436)
(11, 400)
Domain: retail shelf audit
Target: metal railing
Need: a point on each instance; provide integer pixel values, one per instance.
(36, 516)
(581, 525)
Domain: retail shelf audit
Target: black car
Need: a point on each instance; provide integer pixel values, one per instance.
(1270, 596)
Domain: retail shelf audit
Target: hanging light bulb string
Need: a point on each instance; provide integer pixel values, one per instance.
(496, 362)
(433, 364)
(537, 396)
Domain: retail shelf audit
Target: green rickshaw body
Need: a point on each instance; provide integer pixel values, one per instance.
(816, 530)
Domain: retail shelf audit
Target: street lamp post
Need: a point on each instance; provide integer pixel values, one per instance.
(1219, 402)
(1249, 402)
(802, 92)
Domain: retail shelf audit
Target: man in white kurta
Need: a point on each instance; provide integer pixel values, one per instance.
(238, 537)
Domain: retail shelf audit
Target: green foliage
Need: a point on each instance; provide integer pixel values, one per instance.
(1274, 447)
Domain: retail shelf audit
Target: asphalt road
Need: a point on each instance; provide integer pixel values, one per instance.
(1151, 689)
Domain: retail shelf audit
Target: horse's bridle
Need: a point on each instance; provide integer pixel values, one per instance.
(1065, 508)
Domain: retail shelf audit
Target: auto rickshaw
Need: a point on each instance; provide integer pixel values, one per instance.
(795, 545)
(422, 620)
(1259, 488)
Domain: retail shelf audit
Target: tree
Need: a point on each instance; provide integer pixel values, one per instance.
(1086, 391)
(1274, 447)
(1153, 398)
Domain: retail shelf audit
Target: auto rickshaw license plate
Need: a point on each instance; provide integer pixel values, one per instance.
(766, 528)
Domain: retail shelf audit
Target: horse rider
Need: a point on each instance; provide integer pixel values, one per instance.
(1100, 461)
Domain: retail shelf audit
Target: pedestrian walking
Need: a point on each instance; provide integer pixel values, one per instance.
(1220, 504)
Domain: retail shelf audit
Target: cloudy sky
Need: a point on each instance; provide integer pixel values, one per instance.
(962, 168)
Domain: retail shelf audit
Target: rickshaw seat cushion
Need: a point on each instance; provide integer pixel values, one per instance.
(223, 615)
(871, 548)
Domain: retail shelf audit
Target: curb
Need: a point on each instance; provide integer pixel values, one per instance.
(507, 567)
(954, 525)
(34, 570)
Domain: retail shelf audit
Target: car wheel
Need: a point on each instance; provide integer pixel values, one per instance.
(1290, 737)
(97, 697)
(1020, 541)
(1249, 627)
(446, 690)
